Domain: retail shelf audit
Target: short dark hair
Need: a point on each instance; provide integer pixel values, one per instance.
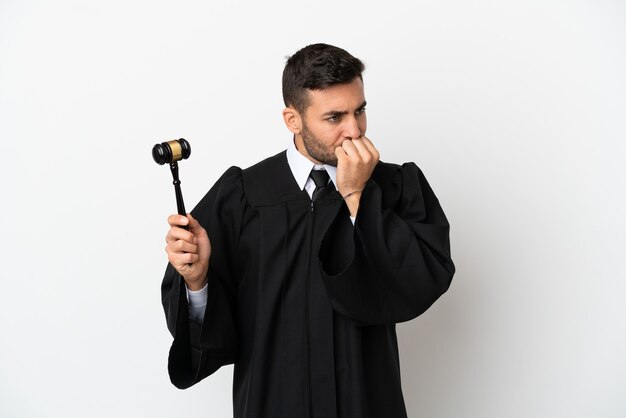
(317, 67)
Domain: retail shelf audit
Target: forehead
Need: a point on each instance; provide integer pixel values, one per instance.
(340, 97)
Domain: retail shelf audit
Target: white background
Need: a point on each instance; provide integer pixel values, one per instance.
(514, 110)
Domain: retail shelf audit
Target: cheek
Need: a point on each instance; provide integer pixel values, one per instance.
(337, 136)
(363, 124)
(329, 135)
(320, 131)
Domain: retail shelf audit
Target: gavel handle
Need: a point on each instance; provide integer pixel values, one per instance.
(179, 194)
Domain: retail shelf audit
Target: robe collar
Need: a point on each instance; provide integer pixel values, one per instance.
(301, 166)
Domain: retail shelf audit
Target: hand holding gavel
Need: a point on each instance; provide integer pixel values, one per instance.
(188, 251)
(188, 247)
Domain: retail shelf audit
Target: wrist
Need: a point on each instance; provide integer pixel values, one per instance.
(195, 285)
(352, 201)
(347, 195)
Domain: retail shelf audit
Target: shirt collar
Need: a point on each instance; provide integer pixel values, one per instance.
(301, 166)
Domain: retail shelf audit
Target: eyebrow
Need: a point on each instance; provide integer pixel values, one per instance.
(339, 113)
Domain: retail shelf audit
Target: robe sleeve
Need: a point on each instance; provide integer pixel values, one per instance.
(395, 262)
(198, 350)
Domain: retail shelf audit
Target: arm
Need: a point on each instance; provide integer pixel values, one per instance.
(199, 349)
(197, 304)
(396, 262)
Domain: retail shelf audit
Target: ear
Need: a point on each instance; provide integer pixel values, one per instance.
(292, 119)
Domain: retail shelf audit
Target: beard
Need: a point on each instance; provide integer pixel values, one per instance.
(316, 148)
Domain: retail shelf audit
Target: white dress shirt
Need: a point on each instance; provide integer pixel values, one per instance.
(300, 168)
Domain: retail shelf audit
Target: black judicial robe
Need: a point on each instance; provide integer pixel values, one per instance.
(303, 302)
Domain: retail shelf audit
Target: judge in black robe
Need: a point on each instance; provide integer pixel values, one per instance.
(303, 302)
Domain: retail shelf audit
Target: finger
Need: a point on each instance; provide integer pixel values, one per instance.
(194, 225)
(181, 246)
(349, 148)
(340, 153)
(181, 261)
(370, 146)
(363, 151)
(177, 220)
(176, 233)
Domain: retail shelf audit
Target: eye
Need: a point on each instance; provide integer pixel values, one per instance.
(333, 118)
(360, 111)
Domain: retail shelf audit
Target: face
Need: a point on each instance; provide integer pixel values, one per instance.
(334, 114)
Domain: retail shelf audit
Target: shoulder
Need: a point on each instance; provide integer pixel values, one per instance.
(270, 163)
(231, 176)
(270, 181)
(226, 193)
(387, 174)
(250, 186)
(229, 182)
(399, 182)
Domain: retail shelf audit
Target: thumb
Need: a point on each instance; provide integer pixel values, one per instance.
(340, 153)
(194, 225)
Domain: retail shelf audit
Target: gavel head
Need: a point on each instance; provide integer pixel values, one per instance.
(171, 151)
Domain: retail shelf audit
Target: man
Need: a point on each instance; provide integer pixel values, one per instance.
(298, 268)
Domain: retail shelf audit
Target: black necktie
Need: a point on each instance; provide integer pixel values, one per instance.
(320, 178)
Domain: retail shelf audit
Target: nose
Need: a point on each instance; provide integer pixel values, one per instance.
(351, 128)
